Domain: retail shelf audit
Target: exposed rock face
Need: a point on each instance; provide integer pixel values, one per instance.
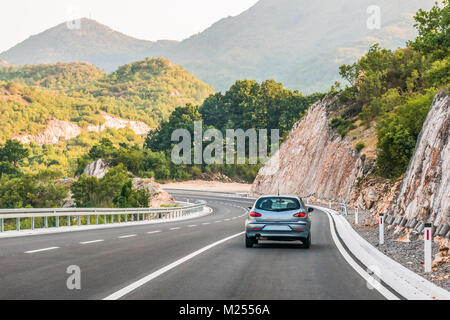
(96, 169)
(313, 160)
(111, 122)
(158, 196)
(56, 131)
(425, 191)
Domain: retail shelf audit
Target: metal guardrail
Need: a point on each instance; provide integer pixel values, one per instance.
(31, 219)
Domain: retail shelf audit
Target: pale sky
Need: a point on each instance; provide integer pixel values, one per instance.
(142, 19)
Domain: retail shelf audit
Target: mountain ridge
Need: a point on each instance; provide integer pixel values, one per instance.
(298, 43)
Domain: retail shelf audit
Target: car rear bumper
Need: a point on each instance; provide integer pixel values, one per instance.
(291, 232)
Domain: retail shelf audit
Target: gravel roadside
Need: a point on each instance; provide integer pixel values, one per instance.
(408, 252)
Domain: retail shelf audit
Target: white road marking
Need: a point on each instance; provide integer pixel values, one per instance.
(41, 250)
(153, 232)
(218, 221)
(206, 223)
(128, 289)
(381, 289)
(234, 218)
(90, 242)
(227, 219)
(128, 236)
(173, 229)
(192, 226)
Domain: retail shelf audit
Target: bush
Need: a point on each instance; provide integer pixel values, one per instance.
(360, 146)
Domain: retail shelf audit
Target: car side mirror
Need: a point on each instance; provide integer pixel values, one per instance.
(250, 208)
(310, 210)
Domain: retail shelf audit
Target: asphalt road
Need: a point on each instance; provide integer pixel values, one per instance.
(117, 258)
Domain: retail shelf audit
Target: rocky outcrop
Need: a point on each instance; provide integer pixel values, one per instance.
(111, 122)
(56, 131)
(96, 169)
(425, 192)
(314, 160)
(157, 196)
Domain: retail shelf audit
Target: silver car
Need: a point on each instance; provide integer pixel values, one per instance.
(279, 218)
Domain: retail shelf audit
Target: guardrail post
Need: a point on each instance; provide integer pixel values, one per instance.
(119, 218)
(46, 222)
(356, 215)
(18, 224)
(381, 237)
(104, 219)
(96, 217)
(88, 222)
(32, 223)
(79, 220)
(329, 204)
(126, 218)
(69, 223)
(2, 227)
(57, 221)
(428, 248)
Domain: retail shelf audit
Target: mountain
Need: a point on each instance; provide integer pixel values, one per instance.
(297, 42)
(92, 42)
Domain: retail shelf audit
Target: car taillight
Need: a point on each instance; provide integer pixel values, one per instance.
(301, 214)
(255, 215)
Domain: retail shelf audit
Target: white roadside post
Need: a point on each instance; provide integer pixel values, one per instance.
(428, 250)
(356, 215)
(329, 204)
(381, 229)
(345, 209)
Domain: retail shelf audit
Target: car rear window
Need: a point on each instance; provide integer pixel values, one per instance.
(278, 204)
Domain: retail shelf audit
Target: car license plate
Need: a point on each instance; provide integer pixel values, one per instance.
(277, 228)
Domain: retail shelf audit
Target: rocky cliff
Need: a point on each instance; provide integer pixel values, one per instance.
(425, 190)
(315, 161)
(58, 130)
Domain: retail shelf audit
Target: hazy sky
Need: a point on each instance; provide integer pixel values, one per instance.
(143, 19)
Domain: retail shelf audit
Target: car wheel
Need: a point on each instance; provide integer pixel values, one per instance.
(249, 242)
(307, 243)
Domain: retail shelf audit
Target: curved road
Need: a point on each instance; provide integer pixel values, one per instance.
(117, 258)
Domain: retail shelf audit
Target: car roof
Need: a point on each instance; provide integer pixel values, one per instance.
(279, 196)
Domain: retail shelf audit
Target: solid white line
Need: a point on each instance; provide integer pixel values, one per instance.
(153, 232)
(119, 294)
(379, 287)
(93, 241)
(129, 236)
(41, 250)
(173, 229)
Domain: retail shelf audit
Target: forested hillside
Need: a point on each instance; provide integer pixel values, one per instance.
(147, 90)
(391, 91)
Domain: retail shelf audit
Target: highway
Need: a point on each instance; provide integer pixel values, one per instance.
(203, 258)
